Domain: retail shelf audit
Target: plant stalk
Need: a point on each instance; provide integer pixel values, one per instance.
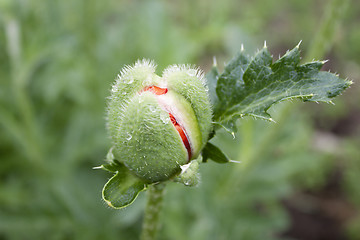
(325, 34)
(153, 207)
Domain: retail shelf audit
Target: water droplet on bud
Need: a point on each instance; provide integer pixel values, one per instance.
(129, 80)
(152, 108)
(128, 137)
(192, 72)
(187, 182)
(164, 116)
(114, 89)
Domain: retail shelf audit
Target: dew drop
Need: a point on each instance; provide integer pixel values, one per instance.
(129, 80)
(192, 72)
(188, 182)
(152, 108)
(164, 116)
(114, 89)
(128, 137)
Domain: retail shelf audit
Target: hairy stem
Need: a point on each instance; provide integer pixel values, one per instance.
(152, 210)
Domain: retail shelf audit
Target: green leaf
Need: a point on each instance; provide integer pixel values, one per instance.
(111, 165)
(122, 189)
(250, 87)
(212, 152)
(229, 125)
(212, 78)
(230, 84)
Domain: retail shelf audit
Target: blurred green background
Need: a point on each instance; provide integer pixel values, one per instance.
(299, 178)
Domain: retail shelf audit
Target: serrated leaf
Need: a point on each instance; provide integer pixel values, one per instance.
(122, 189)
(229, 125)
(230, 83)
(212, 152)
(212, 78)
(251, 87)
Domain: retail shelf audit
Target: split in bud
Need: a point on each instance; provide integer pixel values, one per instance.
(184, 138)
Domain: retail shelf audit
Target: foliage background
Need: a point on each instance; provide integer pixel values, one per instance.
(298, 178)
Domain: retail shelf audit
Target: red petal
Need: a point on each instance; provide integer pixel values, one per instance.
(156, 90)
(182, 134)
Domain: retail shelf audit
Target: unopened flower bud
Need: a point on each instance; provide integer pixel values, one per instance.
(158, 124)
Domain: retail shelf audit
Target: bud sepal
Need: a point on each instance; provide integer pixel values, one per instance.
(190, 175)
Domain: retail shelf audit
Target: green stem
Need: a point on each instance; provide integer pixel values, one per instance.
(153, 207)
(325, 34)
(27, 127)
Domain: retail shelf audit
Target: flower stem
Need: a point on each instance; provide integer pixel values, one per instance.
(153, 207)
(325, 34)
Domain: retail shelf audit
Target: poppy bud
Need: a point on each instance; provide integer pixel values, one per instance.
(158, 124)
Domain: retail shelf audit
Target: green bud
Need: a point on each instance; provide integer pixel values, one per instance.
(157, 124)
